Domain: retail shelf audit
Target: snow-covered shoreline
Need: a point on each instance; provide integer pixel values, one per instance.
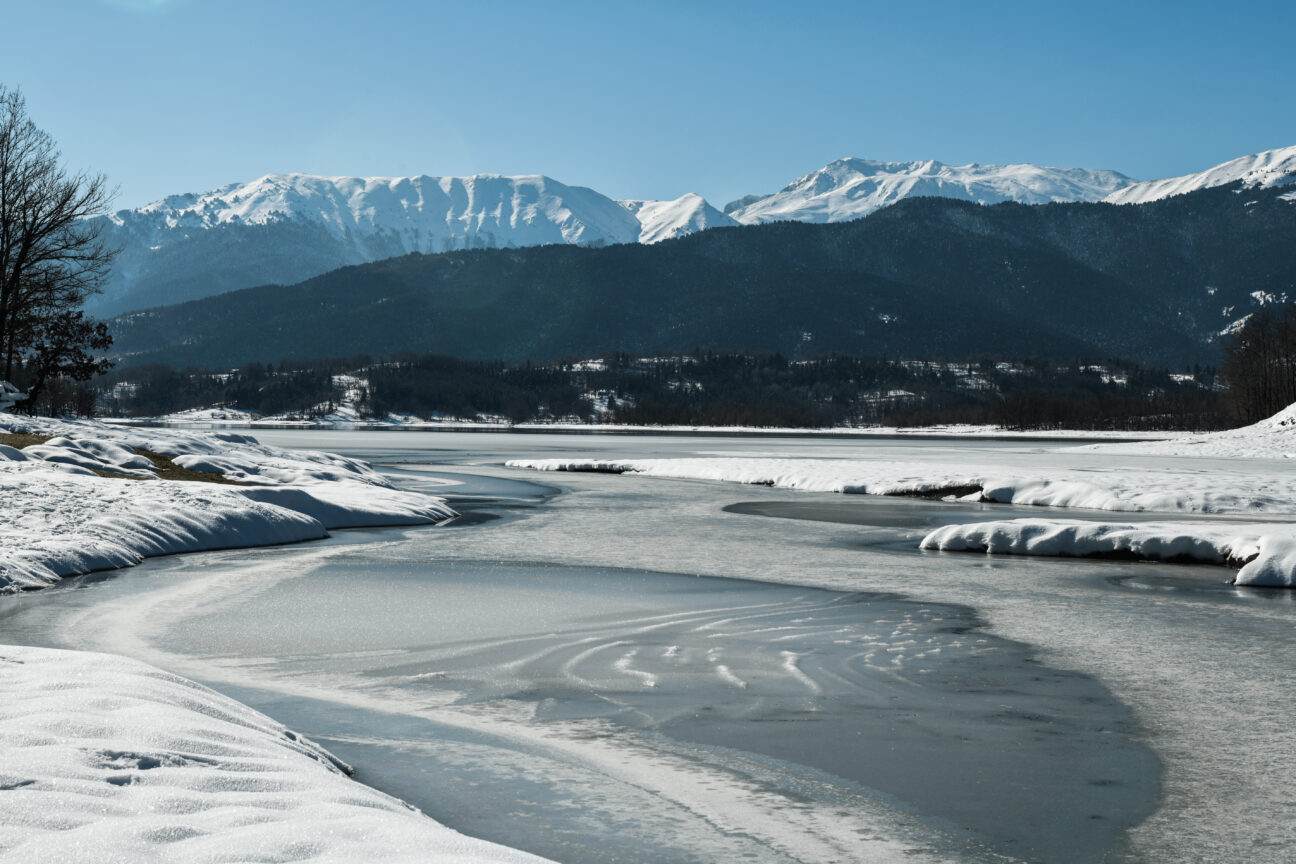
(1266, 551)
(59, 518)
(237, 419)
(108, 759)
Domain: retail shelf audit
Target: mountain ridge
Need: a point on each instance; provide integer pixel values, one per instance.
(851, 188)
(1267, 168)
(284, 228)
(926, 277)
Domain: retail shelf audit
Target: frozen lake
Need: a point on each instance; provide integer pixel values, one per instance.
(603, 668)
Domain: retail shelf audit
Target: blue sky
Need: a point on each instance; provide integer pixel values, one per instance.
(647, 99)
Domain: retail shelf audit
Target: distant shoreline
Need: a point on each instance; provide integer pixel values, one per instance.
(1079, 436)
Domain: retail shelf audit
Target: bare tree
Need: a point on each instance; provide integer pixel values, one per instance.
(51, 254)
(1260, 363)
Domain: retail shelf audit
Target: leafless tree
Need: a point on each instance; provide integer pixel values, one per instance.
(52, 256)
(1260, 363)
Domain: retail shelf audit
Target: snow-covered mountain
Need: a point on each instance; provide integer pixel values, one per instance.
(1270, 168)
(851, 188)
(283, 228)
(423, 214)
(662, 220)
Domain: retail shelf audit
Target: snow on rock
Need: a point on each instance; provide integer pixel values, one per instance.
(1270, 168)
(851, 188)
(58, 518)
(108, 759)
(665, 220)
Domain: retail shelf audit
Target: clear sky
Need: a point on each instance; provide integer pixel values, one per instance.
(643, 99)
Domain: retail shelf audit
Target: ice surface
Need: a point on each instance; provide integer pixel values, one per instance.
(1235, 474)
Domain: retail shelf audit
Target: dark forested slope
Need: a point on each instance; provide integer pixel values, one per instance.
(926, 277)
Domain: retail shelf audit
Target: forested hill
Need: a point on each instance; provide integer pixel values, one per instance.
(926, 277)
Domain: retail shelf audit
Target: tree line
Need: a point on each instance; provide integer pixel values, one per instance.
(699, 388)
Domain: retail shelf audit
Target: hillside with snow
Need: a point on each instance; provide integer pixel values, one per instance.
(665, 220)
(282, 228)
(851, 188)
(1262, 170)
(924, 276)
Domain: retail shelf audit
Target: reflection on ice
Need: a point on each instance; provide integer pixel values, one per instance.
(811, 694)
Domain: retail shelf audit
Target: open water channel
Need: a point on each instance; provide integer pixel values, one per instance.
(614, 669)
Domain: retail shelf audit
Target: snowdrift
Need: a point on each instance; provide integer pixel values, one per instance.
(85, 500)
(105, 758)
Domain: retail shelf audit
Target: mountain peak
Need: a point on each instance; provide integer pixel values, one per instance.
(285, 227)
(1266, 168)
(853, 187)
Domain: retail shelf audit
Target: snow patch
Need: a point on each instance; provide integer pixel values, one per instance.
(105, 758)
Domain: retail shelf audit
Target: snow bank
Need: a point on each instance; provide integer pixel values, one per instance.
(107, 759)
(58, 518)
(93, 455)
(1272, 438)
(1223, 473)
(55, 524)
(1267, 553)
(1132, 490)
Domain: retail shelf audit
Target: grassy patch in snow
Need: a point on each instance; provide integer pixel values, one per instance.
(168, 470)
(19, 440)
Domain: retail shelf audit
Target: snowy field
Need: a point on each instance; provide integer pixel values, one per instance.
(1243, 474)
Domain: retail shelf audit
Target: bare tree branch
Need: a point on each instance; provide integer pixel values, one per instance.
(52, 255)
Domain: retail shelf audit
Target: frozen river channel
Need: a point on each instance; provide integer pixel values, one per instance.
(600, 668)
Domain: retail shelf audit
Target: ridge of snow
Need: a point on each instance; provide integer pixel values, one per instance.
(1264, 169)
(850, 188)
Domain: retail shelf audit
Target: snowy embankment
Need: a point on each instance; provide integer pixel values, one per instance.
(86, 500)
(107, 759)
(1231, 485)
